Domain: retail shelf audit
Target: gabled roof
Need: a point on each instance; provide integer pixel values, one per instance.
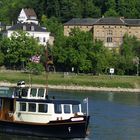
(81, 21)
(30, 12)
(110, 21)
(28, 26)
(102, 21)
(135, 22)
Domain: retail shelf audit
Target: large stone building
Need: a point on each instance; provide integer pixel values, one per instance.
(109, 30)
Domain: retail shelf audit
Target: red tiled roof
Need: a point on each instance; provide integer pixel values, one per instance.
(30, 12)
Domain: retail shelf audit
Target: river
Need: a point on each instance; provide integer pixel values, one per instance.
(114, 116)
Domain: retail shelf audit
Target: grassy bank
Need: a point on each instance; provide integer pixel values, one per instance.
(72, 79)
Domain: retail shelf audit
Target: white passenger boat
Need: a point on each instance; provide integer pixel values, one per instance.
(29, 111)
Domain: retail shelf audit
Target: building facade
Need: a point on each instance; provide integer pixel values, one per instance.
(109, 30)
(33, 30)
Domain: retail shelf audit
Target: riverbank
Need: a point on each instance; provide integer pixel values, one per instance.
(77, 88)
(72, 81)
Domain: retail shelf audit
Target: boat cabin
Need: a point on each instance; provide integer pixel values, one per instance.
(33, 105)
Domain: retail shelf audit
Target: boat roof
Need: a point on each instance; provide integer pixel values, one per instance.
(53, 101)
(6, 92)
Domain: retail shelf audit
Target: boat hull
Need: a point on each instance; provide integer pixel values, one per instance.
(54, 129)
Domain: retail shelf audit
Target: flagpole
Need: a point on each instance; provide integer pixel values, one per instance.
(46, 65)
(87, 108)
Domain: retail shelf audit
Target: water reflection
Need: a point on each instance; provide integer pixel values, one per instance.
(16, 137)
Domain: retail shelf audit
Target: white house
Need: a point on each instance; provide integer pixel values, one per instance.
(27, 15)
(32, 29)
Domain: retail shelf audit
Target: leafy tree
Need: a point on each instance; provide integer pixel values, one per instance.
(111, 13)
(35, 68)
(128, 8)
(73, 50)
(89, 9)
(53, 25)
(53, 8)
(19, 48)
(110, 8)
(70, 9)
(1, 58)
(129, 52)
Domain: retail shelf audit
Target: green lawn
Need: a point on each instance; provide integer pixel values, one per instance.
(72, 79)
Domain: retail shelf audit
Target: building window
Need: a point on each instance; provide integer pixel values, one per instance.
(22, 107)
(37, 38)
(109, 39)
(32, 107)
(44, 39)
(32, 28)
(24, 27)
(42, 108)
(110, 32)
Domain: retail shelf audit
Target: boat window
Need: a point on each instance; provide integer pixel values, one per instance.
(32, 107)
(22, 107)
(43, 108)
(41, 92)
(24, 92)
(33, 92)
(75, 108)
(67, 109)
(57, 108)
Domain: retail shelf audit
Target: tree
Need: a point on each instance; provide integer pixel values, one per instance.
(53, 25)
(110, 8)
(1, 58)
(89, 9)
(128, 8)
(20, 47)
(128, 53)
(70, 9)
(73, 50)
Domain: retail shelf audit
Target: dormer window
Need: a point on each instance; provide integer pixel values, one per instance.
(24, 27)
(32, 28)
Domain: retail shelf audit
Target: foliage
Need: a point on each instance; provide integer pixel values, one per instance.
(64, 10)
(35, 68)
(18, 49)
(1, 58)
(129, 50)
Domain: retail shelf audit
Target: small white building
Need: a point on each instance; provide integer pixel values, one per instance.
(33, 30)
(27, 15)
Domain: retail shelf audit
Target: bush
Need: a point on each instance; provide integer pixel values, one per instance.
(35, 68)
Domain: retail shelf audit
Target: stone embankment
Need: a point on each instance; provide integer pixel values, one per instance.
(80, 88)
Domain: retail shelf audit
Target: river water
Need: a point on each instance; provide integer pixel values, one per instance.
(114, 116)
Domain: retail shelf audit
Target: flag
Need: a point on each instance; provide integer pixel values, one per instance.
(85, 100)
(35, 58)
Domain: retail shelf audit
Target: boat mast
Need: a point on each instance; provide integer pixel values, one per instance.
(46, 68)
